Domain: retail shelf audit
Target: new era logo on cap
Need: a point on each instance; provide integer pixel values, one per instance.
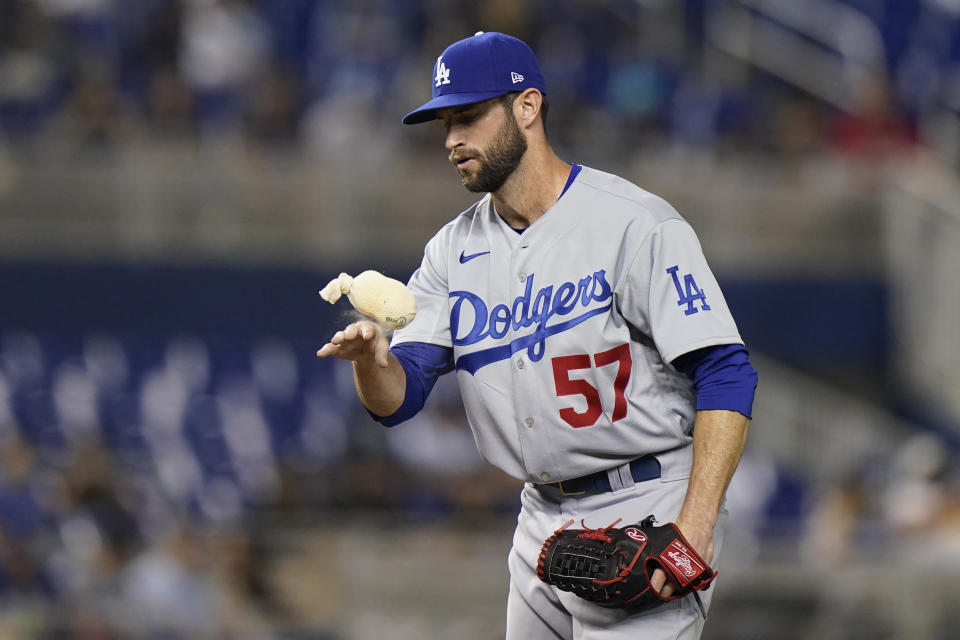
(483, 66)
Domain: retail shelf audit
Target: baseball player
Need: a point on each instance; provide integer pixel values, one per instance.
(596, 357)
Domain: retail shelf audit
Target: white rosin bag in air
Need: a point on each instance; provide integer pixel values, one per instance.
(373, 294)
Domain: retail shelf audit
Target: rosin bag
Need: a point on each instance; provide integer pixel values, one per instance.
(373, 294)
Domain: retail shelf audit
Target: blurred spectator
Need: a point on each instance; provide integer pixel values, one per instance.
(436, 454)
(170, 106)
(837, 517)
(95, 496)
(908, 500)
(438, 440)
(874, 126)
(26, 516)
(168, 590)
(25, 502)
(32, 69)
(97, 536)
(695, 112)
(23, 578)
(273, 117)
(797, 129)
(247, 603)
(918, 494)
(224, 50)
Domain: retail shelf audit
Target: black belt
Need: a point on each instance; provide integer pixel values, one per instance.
(645, 468)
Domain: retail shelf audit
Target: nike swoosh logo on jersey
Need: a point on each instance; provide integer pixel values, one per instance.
(464, 258)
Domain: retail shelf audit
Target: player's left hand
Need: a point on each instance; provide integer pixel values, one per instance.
(610, 566)
(700, 538)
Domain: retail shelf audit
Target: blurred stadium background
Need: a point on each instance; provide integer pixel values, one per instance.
(178, 178)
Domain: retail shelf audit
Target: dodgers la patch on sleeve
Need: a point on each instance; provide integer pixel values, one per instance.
(688, 291)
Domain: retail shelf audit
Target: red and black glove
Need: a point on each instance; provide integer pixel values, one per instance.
(612, 567)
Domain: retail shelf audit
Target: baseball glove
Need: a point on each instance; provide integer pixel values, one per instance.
(612, 567)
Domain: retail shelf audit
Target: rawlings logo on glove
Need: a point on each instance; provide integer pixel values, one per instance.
(612, 567)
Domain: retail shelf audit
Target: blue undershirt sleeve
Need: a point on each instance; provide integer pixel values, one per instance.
(423, 363)
(722, 377)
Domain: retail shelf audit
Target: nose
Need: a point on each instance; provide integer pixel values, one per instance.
(454, 138)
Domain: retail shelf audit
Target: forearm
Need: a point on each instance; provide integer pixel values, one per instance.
(381, 389)
(718, 440)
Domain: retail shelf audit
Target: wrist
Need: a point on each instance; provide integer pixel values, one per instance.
(697, 521)
(698, 532)
(380, 389)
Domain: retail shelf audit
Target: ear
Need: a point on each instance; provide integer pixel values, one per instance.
(526, 107)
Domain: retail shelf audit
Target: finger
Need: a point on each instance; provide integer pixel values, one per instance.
(328, 350)
(367, 331)
(380, 350)
(338, 338)
(351, 332)
(658, 581)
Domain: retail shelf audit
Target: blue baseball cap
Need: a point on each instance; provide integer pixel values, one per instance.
(483, 66)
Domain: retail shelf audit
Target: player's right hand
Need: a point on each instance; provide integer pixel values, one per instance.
(359, 341)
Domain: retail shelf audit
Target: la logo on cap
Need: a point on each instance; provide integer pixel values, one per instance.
(443, 74)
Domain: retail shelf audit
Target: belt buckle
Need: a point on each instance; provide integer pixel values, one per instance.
(564, 491)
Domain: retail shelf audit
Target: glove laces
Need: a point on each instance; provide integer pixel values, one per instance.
(598, 534)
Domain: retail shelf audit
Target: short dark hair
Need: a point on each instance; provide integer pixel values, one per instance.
(508, 98)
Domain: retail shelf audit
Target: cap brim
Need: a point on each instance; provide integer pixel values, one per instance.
(428, 111)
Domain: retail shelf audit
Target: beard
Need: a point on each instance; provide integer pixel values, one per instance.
(500, 159)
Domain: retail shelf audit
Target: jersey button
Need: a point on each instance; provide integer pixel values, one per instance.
(545, 477)
(522, 277)
(520, 363)
(528, 422)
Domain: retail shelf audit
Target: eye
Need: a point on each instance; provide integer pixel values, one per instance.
(466, 117)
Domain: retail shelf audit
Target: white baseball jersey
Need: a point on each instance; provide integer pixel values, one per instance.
(562, 335)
